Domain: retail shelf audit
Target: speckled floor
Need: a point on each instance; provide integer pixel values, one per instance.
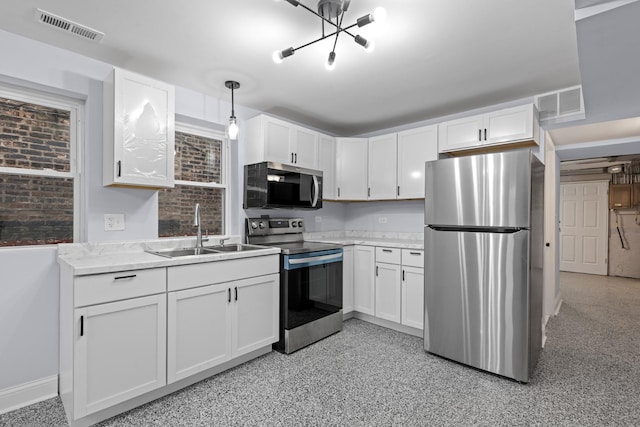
(588, 374)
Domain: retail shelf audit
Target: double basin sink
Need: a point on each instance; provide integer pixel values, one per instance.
(210, 250)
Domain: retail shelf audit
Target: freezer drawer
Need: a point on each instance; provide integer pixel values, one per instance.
(477, 299)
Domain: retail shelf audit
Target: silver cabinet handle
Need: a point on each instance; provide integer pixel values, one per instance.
(415, 253)
(131, 276)
(387, 250)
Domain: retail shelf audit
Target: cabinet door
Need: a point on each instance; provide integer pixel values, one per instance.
(413, 297)
(347, 279)
(306, 148)
(277, 141)
(415, 147)
(364, 279)
(254, 313)
(198, 330)
(141, 131)
(460, 134)
(388, 292)
(351, 168)
(327, 164)
(383, 152)
(119, 352)
(509, 125)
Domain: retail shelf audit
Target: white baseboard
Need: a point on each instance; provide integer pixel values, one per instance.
(558, 305)
(26, 394)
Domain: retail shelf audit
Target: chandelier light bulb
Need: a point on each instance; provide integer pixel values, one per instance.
(370, 46)
(331, 62)
(380, 15)
(277, 57)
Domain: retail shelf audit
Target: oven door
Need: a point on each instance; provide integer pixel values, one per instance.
(311, 286)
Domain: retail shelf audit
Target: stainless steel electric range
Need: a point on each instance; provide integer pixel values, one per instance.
(310, 281)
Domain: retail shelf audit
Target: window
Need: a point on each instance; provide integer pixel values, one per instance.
(200, 177)
(39, 186)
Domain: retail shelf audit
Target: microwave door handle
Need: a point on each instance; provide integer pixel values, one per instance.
(316, 190)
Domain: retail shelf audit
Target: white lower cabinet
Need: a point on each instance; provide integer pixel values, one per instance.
(364, 279)
(212, 324)
(413, 297)
(254, 313)
(128, 333)
(198, 331)
(388, 292)
(347, 279)
(119, 352)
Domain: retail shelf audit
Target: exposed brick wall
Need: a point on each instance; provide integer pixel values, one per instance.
(34, 210)
(197, 159)
(33, 136)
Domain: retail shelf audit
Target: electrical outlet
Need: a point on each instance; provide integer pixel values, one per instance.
(113, 222)
(318, 218)
(382, 219)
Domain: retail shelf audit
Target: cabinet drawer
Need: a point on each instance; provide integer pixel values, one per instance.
(388, 255)
(413, 258)
(100, 288)
(209, 273)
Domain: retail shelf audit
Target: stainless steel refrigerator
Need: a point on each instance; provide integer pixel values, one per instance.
(483, 242)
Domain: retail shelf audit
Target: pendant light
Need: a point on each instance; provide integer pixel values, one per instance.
(232, 127)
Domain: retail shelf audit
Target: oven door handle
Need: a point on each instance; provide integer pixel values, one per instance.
(305, 260)
(316, 190)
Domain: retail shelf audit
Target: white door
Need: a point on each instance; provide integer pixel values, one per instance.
(583, 227)
(351, 168)
(460, 134)
(415, 147)
(198, 330)
(510, 124)
(277, 141)
(383, 152)
(388, 292)
(327, 164)
(364, 279)
(120, 352)
(306, 148)
(255, 315)
(413, 297)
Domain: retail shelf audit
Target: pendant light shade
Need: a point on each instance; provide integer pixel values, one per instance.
(232, 126)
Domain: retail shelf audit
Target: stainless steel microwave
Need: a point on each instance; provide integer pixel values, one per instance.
(275, 185)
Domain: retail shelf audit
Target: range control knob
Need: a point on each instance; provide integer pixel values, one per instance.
(254, 225)
(261, 224)
(294, 224)
(300, 224)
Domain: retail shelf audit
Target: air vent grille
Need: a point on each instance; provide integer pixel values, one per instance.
(67, 25)
(562, 105)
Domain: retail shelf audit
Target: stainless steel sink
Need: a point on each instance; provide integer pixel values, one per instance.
(210, 250)
(238, 247)
(174, 253)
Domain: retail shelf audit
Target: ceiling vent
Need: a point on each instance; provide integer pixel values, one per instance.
(68, 26)
(561, 106)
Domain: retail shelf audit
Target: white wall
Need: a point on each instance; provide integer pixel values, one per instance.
(29, 288)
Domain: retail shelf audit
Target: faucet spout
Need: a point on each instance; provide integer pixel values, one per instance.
(197, 221)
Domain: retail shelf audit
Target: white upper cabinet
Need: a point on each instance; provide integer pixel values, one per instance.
(351, 168)
(139, 131)
(274, 140)
(327, 164)
(383, 152)
(511, 125)
(415, 147)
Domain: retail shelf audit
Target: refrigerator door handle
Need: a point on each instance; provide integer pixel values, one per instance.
(504, 230)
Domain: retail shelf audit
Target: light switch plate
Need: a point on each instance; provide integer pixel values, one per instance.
(113, 222)
(382, 219)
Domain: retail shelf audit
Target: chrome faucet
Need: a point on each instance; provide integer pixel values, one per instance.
(197, 221)
(223, 239)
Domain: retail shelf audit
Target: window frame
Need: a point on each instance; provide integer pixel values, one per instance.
(206, 132)
(75, 107)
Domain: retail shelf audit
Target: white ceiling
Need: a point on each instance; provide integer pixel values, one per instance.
(432, 58)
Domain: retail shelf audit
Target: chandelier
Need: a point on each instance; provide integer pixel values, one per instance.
(331, 14)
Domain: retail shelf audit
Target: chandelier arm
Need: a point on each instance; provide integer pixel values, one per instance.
(335, 42)
(320, 16)
(343, 30)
